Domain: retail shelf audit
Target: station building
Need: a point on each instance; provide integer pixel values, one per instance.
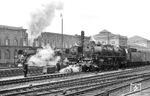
(105, 37)
(139, 43)
(55, 40)
(11, 40)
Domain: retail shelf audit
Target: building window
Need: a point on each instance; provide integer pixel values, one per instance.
(36, 43)
(21, 42)
(24, 43)
(99, 43)
(103, 42)
(56, 44)
(64, 45)
(15, 42)
(7, 42)
(42, 43)
(113, 42)
(67, 45)
(7, 54)
(70, 46)
(45, 43)
(48, 42)
(15, 54)
(53, 45)
(0, 54)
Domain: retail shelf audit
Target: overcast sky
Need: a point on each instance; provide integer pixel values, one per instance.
(124, 17)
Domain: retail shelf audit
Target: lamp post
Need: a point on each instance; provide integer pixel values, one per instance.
(62, 34)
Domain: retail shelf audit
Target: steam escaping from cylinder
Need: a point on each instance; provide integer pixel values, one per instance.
(43, 57)
(71, 69)
(42, 18)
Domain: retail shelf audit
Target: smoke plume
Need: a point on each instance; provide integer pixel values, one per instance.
(42, 18)
(44, 56)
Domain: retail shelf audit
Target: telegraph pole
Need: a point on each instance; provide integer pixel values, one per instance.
(62, 37)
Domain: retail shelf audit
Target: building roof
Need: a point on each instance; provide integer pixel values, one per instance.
(105, 34)
(104, 31)
(11, 27)
(137, 38)
(50, 33)
(138, 41)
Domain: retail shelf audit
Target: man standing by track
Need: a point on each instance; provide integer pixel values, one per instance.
(23, 60)
(58, 66)
(25, 69)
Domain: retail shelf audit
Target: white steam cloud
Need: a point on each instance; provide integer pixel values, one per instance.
(42, 18)
(43, 57)
(71, 69)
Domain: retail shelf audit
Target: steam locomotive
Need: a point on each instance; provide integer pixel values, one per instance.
(96, 57)
(108, 57)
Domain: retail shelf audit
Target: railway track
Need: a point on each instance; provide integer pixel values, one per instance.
(88, 85)
(53, 87)
(103, 89)
(51, 76)
(19, 71)
(36, 78)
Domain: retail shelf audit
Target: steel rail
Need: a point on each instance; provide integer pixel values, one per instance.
(97, 83)
(107, 84)
(108, 91)
(49, 76)
(65, 83)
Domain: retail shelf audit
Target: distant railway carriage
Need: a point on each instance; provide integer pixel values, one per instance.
(147, 56)
(138, 58)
